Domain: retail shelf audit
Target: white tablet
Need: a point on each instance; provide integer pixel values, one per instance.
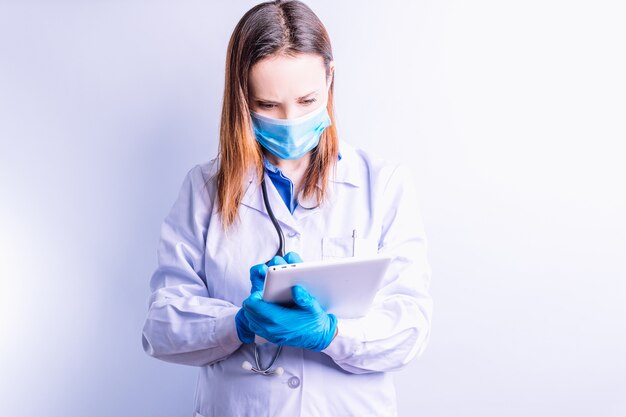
(344, 287)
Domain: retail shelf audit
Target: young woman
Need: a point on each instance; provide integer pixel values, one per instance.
(281, 167)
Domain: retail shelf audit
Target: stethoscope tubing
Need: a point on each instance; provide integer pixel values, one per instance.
(279, 230)
(268, 371)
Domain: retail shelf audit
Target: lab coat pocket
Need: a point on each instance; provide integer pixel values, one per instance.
(345, 247)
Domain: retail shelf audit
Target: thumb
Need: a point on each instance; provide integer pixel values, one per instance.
(293, 258)
(257, 277)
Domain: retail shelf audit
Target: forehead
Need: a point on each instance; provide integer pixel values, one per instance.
(282, 77)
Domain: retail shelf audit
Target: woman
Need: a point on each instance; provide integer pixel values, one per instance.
(330, 199)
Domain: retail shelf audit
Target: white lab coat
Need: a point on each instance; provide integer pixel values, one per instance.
(203, 276)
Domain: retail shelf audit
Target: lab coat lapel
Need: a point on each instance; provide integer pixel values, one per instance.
(253, 198)
(348, 171)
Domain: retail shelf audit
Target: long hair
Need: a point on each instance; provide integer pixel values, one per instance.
(273, 27)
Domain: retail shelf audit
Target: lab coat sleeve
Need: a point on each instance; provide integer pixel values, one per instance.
(397, 327)
(184, 324)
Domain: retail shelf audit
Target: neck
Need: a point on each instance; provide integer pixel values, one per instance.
(289, 166)
(293, 169)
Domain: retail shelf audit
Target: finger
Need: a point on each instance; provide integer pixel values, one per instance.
(258, 309)
(304, 299)
(258, 273)
(257, 277)
(256, 329)
(276, 260)
(264, 333)
(293, 258)
(251, 303)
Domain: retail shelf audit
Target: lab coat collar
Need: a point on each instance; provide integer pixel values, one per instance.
(348, 171)
(253, 198)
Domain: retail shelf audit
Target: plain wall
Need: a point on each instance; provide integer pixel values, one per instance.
(511, 115)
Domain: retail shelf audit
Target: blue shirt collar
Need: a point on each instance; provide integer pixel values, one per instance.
(268, 165)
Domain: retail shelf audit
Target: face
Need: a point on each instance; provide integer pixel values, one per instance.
(286, 87)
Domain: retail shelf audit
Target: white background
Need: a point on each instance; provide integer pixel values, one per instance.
(511, 113)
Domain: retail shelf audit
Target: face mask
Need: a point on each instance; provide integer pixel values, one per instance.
(291, 138)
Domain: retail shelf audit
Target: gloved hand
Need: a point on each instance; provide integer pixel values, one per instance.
(305, 325)
(243, 328)
(257, 279)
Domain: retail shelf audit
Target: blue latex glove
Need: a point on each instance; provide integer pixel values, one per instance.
(257, 279)
(305, 325)
(243, 328)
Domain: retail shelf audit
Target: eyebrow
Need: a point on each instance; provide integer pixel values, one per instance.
(274, 102)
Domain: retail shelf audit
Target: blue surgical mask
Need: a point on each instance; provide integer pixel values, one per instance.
(291, 138)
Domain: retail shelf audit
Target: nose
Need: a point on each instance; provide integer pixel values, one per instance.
(289, 112)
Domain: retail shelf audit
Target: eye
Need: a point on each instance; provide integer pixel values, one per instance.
(266, 105)
(309, 101)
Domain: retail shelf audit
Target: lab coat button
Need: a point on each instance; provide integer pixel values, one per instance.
(294, 382)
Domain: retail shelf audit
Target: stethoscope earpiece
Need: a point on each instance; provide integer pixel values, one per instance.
(268, 372)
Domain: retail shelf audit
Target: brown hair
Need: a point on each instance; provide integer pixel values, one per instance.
(273, 27)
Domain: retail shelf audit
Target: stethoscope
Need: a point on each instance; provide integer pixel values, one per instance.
(268, 371)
